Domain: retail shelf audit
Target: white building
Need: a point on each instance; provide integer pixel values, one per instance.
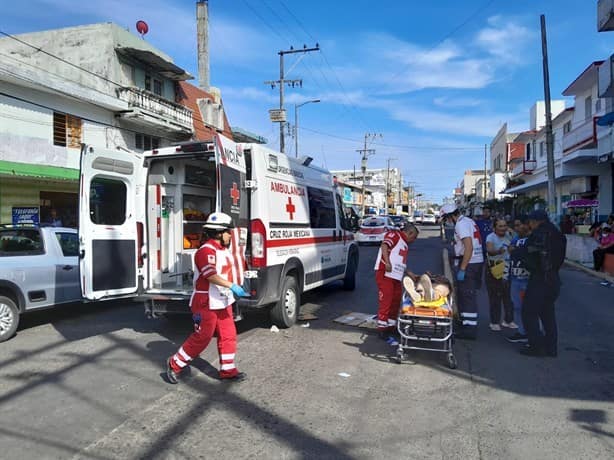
(578, 173)
(97, 84)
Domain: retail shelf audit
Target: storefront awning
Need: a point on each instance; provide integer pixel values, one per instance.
(582, 203)
(10, 168)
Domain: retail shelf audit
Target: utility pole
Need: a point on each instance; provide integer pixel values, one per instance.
(388, 185)
(365, 152)
(282, 82)
(549, 143)
(485, 177)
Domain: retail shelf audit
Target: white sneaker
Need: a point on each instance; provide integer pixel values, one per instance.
(510, 325)
(410, 287)
(495, 327)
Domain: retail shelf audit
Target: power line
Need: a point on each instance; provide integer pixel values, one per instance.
(449, 34)
(381, 144)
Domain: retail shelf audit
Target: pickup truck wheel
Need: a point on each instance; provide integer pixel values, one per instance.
(349, 281)
(285, 312)
(9, 318)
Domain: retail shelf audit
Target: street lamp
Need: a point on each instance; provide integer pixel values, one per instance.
(296, 107)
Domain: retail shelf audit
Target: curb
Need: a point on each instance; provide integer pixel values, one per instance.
(590, 271)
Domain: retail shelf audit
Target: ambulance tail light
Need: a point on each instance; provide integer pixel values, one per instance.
(258, 232)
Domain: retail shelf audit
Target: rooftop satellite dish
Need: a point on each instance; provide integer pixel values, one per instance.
(142, 27)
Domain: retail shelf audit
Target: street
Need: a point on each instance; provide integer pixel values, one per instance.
(85, 381)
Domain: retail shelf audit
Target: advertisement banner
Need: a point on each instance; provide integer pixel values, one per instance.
(25, 215)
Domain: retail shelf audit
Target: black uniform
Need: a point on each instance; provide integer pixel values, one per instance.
(544, 257)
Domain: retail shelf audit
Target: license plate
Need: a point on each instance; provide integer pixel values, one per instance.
(372, 237)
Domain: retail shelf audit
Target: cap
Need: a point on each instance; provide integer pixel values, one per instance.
(218, 221)
(538, 214)
(448, 209)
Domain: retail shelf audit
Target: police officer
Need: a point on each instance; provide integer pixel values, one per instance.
(211, 302)
(544, 256)
(468, 262)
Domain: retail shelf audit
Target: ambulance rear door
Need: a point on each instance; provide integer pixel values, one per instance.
(232, 198)
(111, 222)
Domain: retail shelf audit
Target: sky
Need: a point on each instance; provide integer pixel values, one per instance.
(428, 84)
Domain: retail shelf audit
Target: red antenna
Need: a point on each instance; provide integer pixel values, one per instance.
(142, 27)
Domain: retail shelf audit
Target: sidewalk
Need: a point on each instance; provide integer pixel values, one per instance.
(590, 271)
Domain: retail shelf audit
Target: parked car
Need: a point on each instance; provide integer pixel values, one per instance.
(399, 221)
(429, 219)
(39, 268)
(373, 229)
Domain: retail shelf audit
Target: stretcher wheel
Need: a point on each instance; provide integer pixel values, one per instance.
(400, 357)
(452, 364)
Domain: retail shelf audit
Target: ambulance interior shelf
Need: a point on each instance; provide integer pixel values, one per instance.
(195, 211)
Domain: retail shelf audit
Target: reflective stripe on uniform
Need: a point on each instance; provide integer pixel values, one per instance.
(467, 322)
(469, 315)
(184, 355)
(392, 322)
(227, 356)
(227, 367)
(179, 362)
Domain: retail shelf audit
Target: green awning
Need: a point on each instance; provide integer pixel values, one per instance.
(10, 168)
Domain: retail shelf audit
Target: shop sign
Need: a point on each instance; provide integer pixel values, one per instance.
(347, 194)
(26, 215)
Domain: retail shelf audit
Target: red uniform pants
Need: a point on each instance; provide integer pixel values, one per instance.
(208, 322)
(390, 293)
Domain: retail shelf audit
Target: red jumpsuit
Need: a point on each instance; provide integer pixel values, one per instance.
(389, 284)
(211, 307)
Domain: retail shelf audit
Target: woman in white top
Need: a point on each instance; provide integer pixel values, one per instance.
(497, 244)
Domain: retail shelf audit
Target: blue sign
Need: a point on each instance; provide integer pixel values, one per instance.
(347, 194)
(26, 215)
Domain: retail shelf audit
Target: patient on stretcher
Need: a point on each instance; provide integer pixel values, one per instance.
(426, 291)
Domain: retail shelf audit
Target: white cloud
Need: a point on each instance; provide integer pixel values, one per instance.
(504, 39)
(456, 102)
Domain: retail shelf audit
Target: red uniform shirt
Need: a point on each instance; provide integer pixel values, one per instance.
(391, 239)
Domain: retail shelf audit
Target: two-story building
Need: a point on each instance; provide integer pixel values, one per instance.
(97, 84)
(578, 173)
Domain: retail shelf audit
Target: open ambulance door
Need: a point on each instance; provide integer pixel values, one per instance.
(233, 197)
(111, 219)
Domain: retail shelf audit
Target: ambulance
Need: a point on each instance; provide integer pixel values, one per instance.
(141, 218)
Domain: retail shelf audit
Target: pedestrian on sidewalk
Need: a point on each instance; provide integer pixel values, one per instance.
(518, 275)
(497, 256)
(211, 302)
(606, 246)
(485, 225)
(468, 265)
(544, 258)
(390, 268)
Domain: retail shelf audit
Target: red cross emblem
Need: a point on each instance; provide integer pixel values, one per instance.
(290, 208)
(235, 194)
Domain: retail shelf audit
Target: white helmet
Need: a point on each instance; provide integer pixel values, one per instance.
(218, 221)
(448, 208)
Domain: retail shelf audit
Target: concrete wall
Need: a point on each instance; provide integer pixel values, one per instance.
(26, 131)
(537, 114)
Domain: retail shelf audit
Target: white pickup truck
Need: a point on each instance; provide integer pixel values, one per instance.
(39, 268)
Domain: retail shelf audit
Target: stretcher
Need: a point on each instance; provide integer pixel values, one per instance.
(426, 326)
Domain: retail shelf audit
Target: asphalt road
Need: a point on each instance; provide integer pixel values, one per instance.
(85, 381)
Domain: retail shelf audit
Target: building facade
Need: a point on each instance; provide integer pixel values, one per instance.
(96, 84)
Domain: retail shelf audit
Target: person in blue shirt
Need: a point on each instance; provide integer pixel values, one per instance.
(484, 223)
(518, 275)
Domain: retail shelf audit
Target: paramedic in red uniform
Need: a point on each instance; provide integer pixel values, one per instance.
(211, 302)
(390, 267)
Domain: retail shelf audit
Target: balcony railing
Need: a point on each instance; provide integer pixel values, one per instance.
(581, 136)
(524, 167)
(170, 114)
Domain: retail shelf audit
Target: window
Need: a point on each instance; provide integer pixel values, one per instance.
(528, 152)
(20, 241)
(69, 243)
(67, 130)
(133, 75)
(567, 127)
(157, 87)
(148, 82)
(321, 208)
(145, 142)
(107, 201)
(588, 107)
(598, 106)
(541, 149)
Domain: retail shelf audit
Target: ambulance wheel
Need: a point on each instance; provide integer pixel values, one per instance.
(349, 282)
(285, 312)
(9, 318)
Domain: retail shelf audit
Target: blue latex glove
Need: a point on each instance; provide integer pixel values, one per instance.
(460, 275)
(238, 291)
